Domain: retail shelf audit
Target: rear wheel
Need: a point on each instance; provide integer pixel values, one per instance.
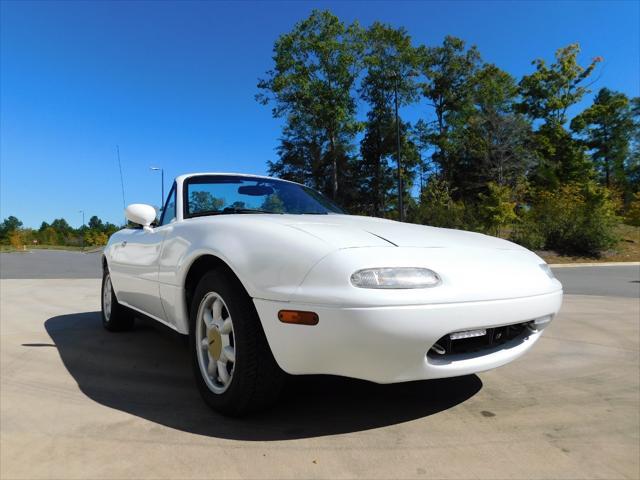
(115, 317)
(233, 365)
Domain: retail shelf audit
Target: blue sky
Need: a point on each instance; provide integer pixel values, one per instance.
(173, 84)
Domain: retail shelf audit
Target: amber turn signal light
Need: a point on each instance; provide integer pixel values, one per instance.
(295, 316)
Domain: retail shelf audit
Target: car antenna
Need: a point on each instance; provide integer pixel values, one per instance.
(124, 204)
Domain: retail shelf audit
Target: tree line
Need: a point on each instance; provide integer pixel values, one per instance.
(56, 233)
(491, 152)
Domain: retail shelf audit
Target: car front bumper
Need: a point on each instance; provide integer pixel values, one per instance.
(390, 344)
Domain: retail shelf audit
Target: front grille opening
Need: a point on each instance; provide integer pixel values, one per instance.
(493, 337)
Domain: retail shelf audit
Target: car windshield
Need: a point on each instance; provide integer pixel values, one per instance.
(233, 194)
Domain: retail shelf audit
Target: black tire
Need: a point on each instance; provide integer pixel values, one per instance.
(119, 318)
(256, 378)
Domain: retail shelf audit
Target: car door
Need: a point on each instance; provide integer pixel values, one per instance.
(136, 263)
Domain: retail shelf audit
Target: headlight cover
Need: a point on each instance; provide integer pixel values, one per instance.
(547, 269)
(398, 278)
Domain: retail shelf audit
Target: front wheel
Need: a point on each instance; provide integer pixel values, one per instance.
(233, 365)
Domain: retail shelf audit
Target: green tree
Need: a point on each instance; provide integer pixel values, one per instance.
(273, 203)
(548, 92)
(437, 206)
(16, 240)
(61, 226)
(547, 95)
(496, 208)
(94, 237)
(311, 84)
(496, 141)
(391, 63)
(201, 201)
(109, 228)
(632, 216)
(64, 231)
(304, 158)
(560, 158)
(607, 127)
(575, 219)
(48, 236)
(374, 170)
(633, 165)
(449, 70)
(9, 225)
(96, 224)
(300, 154)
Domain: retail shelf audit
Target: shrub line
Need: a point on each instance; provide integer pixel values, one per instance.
(602, 264)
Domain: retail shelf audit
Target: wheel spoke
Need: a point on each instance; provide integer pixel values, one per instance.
(222, 372)
(230, 353)
(204, 344)
(226, 326)
(216, 310)
(208, 319)
(211, 367)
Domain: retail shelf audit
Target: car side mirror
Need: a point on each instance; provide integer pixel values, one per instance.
(141, 214)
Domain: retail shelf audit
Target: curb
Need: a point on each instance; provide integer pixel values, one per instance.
(602, 264)
(93, 250)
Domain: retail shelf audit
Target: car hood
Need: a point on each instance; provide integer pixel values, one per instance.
(351, 231)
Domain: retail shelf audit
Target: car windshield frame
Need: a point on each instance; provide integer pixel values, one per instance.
(320, 200)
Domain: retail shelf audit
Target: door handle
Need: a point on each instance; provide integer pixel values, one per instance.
(124, 243)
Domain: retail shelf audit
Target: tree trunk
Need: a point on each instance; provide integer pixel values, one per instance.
(376, 189)
(607, 165)
(334, 168)
(440, 118)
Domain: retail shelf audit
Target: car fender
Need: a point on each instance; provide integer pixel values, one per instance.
(270, 261)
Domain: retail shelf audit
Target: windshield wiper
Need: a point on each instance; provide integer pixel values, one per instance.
(231, 211)
(247, 210)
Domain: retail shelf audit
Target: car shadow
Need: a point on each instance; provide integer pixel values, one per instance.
(146, 372)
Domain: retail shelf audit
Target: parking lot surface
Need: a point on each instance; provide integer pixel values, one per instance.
(50, 264)
(79, 402)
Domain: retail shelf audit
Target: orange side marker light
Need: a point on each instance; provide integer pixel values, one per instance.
(298, 317)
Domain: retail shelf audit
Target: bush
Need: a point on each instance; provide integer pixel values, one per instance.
(496, 208)
(527, 232)
(633, 211)
(437, 208)
(575, 219)
(15, 239)
(94, 238)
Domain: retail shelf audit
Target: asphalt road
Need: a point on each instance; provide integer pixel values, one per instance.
(611, 281)
(79, 402)
(50, 264)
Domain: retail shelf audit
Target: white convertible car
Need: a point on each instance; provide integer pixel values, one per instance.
(267, 276)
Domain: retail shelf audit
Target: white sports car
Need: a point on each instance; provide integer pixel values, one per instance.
(267, 276)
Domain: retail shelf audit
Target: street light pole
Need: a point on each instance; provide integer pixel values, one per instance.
(81, 232)
(400, 196)
(162, 182)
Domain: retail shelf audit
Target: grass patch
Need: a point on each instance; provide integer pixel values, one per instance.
(72, 248)
(10, 248)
